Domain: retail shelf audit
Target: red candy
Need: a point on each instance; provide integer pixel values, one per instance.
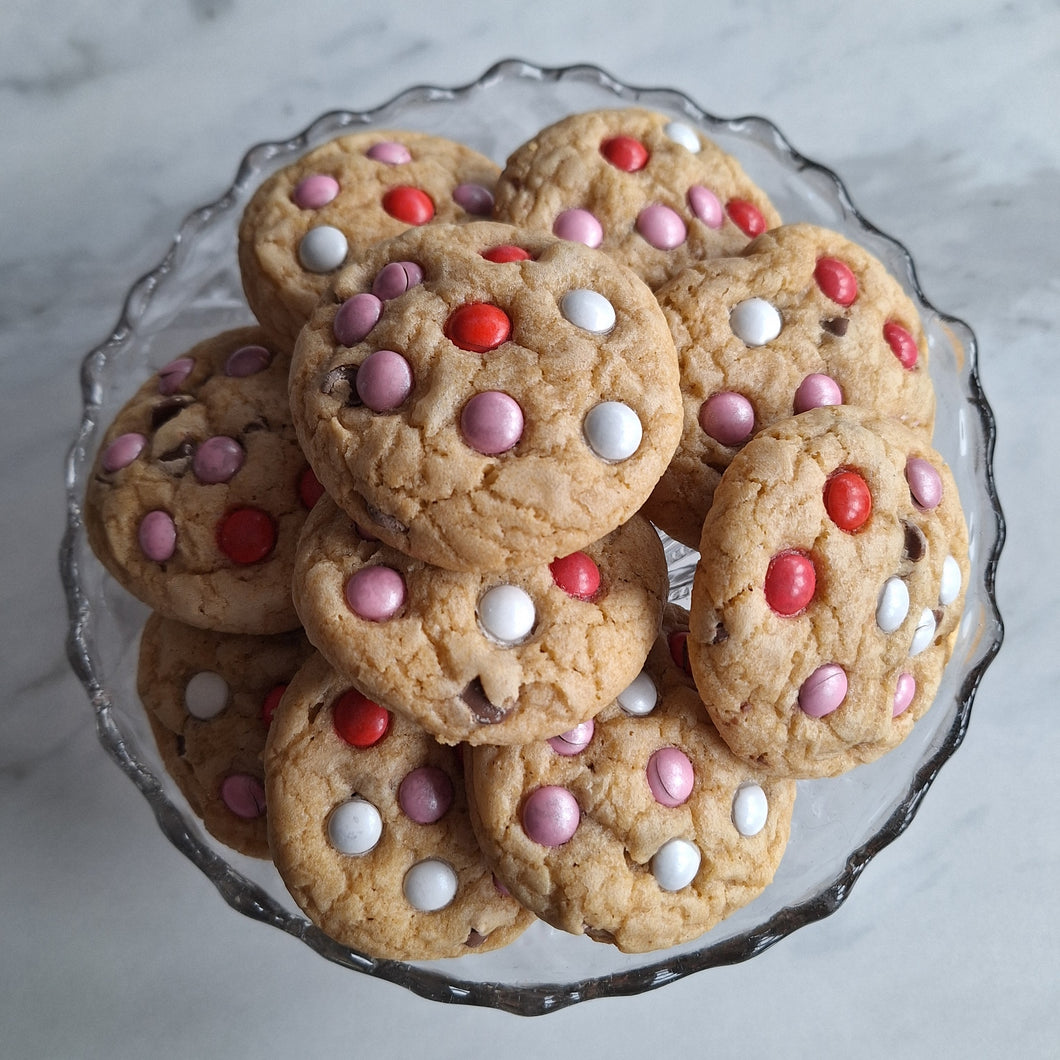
(790, 582)
(678, 644)
(625, 153)
(246, 535)
(408, 204)
(847, 500)
(577, 575)
(359, 721)
(478, 327)
(309, 488)
(271, 702)
(505, 253)
(836, 280)
(902, 344)
(746, 216)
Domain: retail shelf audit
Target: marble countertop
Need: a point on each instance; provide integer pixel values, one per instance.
(941, 120)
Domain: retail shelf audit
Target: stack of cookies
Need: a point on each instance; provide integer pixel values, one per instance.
(403, 539)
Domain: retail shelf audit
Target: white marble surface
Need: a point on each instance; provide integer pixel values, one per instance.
(115, 120)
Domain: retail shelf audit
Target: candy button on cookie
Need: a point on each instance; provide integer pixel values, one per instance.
(244, 795)
(746, 216)
(246, 535)
(836, 280)
(640, 696)
(750, 809)
(359, 721)
(588, 310)
(375, 593)
(425, 794)
(625, 153)
(478, 327)
(791, 580)
(577, 575)
(823, 691)
(492, 422)
(157, 536)
(670, 776)
(661, 226)
(355, 827)
(684, 135)
(356, 317)
(171, 376)
(815, 390)
(315, 191)
(902, 344)
(613, 431)
(430, 885)
(205, 695)
(384, 380)
(848, 500)
(728, 418)
(924, 483)
(755, 321)
(217, 459)
(389, 152)
(322, 249)
(675, 864)
(123, 451)
(412, 206)
(506, 614)
(550, 815)
(579, 226)
(573, 741)
(476, 199)
(247, 360)
(706, 206)
(395, 279)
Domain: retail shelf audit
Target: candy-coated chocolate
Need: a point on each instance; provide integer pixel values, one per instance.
(123, 451)
(892, 607)
(314, 191)
(925, 483)
(322, 249)
(171, 376)
(746, 216)
(578, 226)
(662, 227)
(506, 252)
(670, 776)
(902, 344)
(476, 199)
(271, 702)
(389, 152)
(677, 642)
(577, 575)
(247, 360)
(506, 614)
(904, 691)
(639, 697)
(244, 795)
(706, 206)
(575, 740)
(359, 721)
(675, 864)
(588, 310)
(625, 153)
(354, 826)
(836, 280)
(376, 593)
(246, 535)
(356, 317)
(157, 536)
(755, 321)
(395, 278)
(823, 691)
(613, 430)
(217, 459)
(384, 380)
(727, 417)
(411, 205)
(491, 422)
(924, 633)
(791, 581)
(310, 489)
(750, 809)
(478, 327)
(551, 815)
(684, 135)
(425, 794)
(205, 695)
(816, 391)
(430, 885)
(950, 585)
(848, 500)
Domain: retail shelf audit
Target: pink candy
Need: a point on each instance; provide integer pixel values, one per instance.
(474, 198)
(425, 794)
(172, 375)
(706, 206)
(247, 360)
(217, 459)
(575, 740)
(157, 536)
(823, 691)
(123, 451)
(551, 816)
(243, 795)
(314, 191)
(491, 422)
(579, 226)
(925, 484)
(670, 776)
(384, 380)
(661, 227)
(816, 391)
(727, 417)
(903, 693)
(355, 318)
(376, 593)
(389, 152)
(396, 278)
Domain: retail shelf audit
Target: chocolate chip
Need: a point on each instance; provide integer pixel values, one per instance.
(836, 326)
(341, 382)
(475, 939)
(388, 522)
(721, 634)
(163, 411)
(915, 542)
(180, 452)
(476, 700)
(181, 748)
(599, 934)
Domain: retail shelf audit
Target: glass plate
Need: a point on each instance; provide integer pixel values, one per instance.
(839, 825)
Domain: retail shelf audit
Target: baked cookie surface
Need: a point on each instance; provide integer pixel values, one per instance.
(497, 658)
(325, 210)
(481, 397)
(195, 502)
(209, 698)
(651, 191)
(638, 828)
(834, 564)
(369, 828)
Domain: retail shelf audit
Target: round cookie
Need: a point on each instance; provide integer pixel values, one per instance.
(325, 210)
(209, 698)
(639, 828)
(802, 317)
(497, 658)
(369, 828)
(502, 399)
(834, 562)
(651, 191)
(200, 489)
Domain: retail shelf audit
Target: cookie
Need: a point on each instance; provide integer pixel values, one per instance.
(653, 192)
(200, 489)
(325, 210)
(369, 828)
(502, 399)
(209, 698)
(498, 658)
(802, 317)
(825, 604)
(638, 828)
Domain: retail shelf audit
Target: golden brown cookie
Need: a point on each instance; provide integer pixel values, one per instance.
(325, 210)
(653, 192)
(498, 658)
(209, 698)
(200, 489)
(824, 607)
(512, 397)
(803, 317)
(369, 828)
(638, 828)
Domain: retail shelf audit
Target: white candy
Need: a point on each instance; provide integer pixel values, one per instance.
(750, 808)
(588, 310)
(675, 864)
(206, 695)
(682, 134)
(640, 696)
(950, 588)
(322, 249)
(354, 827)
(755, 321)
(924, 633)
(893, 605)
(613, 430)
(506, 614)
(429, 885)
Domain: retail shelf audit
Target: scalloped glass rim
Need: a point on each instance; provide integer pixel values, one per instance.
(540, 972)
